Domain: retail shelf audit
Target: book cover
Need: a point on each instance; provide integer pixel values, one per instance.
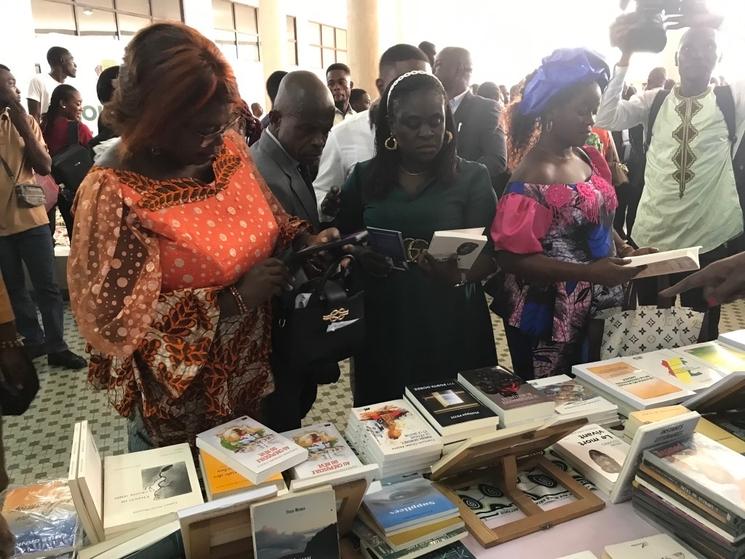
(90, 480)
(250, 448)
(710, 468)
(221, 480)
(571, 397)
(328, 452)
(640, 389)
(661, 433)
(390, 244)
(666, 262)
(75, 493)
(645, 417)
(465, 245)
(142, 486)
(299, 525)
(42, 518)
(395, 428)
(505, 390)
(450, 405)
(598, 452)
(722, 357)
(734, 339)
(406, 504)
(676, 368)
(660, 546)
(447, 546)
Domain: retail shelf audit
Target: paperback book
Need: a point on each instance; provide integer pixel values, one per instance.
(666, 262)
(42, 518)
(660, 546)
(706, 466)
(727, 359)
(296, 525)
(466, 245)
(507, 395)
(595, 453)
(678, 369)
(573, 400)
(453, 411)
(222, 481)
(635, 387)
(251, 449)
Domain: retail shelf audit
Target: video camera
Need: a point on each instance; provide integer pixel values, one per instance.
(648, 34)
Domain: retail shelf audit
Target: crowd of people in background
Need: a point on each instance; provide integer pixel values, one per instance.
(178, 229)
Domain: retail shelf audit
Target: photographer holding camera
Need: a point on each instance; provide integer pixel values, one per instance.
(690, 196)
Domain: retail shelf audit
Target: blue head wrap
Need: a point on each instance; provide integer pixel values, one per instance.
(560, 71)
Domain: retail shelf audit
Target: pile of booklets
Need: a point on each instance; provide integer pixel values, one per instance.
(507, 395)
(393, 436)
(452, 411)
(695, 489)
(407, 519)
(574, 400)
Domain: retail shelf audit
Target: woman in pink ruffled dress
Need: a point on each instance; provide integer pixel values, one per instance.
(554, 225)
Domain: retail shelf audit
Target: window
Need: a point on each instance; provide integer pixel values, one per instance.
(329, 44)
(236, 29)
(101, 17)
(292, 39)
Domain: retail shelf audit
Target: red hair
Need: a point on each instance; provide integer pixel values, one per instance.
(170, 73)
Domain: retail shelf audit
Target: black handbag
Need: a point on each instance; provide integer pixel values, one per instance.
(70, 165)
(16, 395)
(322, 320)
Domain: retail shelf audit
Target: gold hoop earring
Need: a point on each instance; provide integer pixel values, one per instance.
(448, 136)
(391, 146)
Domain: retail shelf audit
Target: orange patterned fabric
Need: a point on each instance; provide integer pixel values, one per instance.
(147, 262)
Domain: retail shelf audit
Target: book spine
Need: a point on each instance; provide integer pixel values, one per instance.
(728, 520)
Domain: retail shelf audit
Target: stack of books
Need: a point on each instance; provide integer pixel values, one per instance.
(223, 481)
(595, 453)
(646, 417)
(659, 546)
(251, 449)
(409, 516)
(695, 489)
(507, 395)
(394, 436)
(573, 400)
(330, 459)
(452, 411)
(624, 383)
(128, 492)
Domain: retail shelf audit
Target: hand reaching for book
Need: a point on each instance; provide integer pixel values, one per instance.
(722, 281)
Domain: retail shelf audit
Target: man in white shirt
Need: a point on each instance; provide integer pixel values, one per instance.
(690, 195)
(353, 140)
(339, 82)
(62, 66)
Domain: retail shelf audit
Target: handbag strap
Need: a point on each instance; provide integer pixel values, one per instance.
(7, 169)
(72, 133)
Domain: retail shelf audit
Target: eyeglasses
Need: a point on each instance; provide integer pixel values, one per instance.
(207, 136)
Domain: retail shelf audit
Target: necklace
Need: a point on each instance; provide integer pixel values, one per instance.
(412, 174)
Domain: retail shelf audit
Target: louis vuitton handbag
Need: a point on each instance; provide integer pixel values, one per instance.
(321, 320)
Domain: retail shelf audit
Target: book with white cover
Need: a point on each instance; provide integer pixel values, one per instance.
(573, 400)
(147, 485)
(660, 546)
(725, 358)
(637, 388)
(666, 262)
(684, 371)
(394, 428)
(595, 453)
(72, 482)
(251, 449)
(648, 436)
(580, 555)
(129, 543)
(90, 480)
(328, 452)
(465, 245)
(735, 339)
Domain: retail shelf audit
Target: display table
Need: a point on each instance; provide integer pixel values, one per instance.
(613, 524)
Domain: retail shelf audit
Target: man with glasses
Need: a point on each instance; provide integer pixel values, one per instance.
(690, 196)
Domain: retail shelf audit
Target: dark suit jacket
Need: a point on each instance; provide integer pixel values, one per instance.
(282, 176)
(480, 133)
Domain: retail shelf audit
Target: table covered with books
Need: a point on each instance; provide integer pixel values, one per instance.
(635, 457)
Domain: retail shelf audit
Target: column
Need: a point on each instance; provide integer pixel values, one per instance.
(363, 42)
(272, 38)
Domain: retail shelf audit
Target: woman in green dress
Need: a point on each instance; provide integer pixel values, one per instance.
(431, 321)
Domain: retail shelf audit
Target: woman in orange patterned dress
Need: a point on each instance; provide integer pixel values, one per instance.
(171, 267)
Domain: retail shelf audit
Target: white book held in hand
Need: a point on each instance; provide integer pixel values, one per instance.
(466, 244)
(667, 262)
(660, 546)
(648, 436)
(251, 449)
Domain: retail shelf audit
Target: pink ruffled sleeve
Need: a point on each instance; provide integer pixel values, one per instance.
(520, 224)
